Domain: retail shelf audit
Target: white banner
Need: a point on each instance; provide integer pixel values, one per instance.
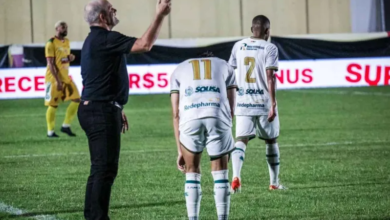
(153, 79)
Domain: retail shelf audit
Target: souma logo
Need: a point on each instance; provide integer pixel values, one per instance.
(201, 89)
(254, 92)
(242, 91)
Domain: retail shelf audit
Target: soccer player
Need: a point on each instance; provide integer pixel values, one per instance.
(59, 86)
(202, 97)
(256, 108)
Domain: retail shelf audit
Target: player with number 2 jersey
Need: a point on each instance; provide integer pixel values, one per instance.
(256, 61)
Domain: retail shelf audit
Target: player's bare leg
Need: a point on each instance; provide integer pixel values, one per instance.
(220, 172)
(192, 187)
(273, 160)
(71, 112)
(238, 157)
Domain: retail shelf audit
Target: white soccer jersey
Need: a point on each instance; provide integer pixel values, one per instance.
(202, 84)
(252, 57)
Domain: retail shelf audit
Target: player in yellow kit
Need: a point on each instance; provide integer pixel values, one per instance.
(59, 86)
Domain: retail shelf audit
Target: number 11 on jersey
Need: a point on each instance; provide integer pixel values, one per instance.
(196, 68)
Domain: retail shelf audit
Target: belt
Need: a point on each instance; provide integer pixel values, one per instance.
(85, 102)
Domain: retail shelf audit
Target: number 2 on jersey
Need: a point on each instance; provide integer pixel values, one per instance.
(196, 68)
(249, 61)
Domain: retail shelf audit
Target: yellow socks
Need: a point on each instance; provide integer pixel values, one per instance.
(70, 113)
(51, 119)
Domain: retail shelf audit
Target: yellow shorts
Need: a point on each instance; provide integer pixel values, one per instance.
(53, 97)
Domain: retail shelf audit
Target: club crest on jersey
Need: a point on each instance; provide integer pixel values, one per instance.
(241, 91)
(189, 91)
(201, 89)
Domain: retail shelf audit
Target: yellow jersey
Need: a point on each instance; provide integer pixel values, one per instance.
(59, 50)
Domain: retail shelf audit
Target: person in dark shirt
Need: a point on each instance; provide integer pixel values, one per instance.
(106, 90)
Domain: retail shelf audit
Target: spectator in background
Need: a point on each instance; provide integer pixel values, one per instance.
(106, 91)
(59, 86)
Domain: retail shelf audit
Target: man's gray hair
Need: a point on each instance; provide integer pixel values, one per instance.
(92, 11)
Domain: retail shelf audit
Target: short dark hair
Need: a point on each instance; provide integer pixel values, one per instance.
(206, 54)
(263, 20)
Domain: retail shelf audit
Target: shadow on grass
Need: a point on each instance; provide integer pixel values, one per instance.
(77, 210)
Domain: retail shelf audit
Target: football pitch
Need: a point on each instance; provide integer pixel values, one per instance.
(335, 160)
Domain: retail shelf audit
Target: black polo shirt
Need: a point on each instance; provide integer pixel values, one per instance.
(103, 66)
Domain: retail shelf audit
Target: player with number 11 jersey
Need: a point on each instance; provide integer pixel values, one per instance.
(203, 94)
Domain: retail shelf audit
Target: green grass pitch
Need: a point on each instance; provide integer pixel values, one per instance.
(335, 159)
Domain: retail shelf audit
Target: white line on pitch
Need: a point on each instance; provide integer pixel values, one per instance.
(4, 208)
(174, 149)
(343, 92)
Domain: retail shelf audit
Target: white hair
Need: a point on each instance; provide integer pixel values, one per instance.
(92, 11)
(59, 23)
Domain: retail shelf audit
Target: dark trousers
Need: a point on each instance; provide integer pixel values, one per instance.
(102, 124)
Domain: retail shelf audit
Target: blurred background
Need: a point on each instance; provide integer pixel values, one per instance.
(32, 21)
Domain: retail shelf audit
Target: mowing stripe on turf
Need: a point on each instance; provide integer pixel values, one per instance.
(4, 208)
(173, 149)
(342, 92)
(128, 111)
(82, 153)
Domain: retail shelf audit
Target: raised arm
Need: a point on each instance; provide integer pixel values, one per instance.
(145, 43)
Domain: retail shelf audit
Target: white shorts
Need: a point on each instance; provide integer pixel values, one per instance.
(250, 126)
(210, 133)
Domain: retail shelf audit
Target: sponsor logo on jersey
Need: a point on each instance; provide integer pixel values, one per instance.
(201, 105)
(254, 92)
(249, 105)
(201, 89)
(245, 46)
(241, 91)
(189, 91)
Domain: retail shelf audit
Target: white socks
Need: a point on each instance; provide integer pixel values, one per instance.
(272, 153)
(238, 157)
(222, 193)
(193, 194)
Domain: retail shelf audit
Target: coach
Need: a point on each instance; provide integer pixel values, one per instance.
(106, 90)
